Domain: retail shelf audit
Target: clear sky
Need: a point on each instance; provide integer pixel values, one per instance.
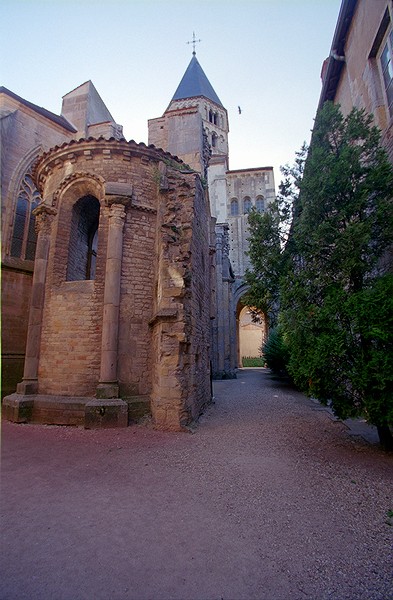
(262, 55)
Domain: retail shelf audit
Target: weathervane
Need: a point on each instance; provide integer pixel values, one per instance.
(193, 42)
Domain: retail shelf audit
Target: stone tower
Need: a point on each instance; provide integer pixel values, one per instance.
(195, 127)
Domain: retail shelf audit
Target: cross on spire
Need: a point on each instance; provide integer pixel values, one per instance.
(193, 42)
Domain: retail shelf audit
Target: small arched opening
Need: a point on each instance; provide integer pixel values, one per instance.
(234, 207)
(247, 205)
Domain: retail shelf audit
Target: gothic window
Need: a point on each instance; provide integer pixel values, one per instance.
(386, 60)
(82, 251)
(215, 119)
(210, 116)
(260, 204)
(214, 140)
(246, 205)
(234, 207)
(24, 239)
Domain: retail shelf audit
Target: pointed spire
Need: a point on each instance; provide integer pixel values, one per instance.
(195, 83)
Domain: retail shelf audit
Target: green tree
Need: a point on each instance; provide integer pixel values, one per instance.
(336, 292)
(268, 235)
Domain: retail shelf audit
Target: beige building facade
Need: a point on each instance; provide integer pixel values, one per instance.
(359, 70)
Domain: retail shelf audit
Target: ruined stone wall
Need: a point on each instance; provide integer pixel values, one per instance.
(180, 326)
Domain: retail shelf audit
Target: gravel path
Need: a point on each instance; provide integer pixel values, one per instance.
(269, 499)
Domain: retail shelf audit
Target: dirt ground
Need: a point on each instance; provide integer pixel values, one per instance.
(270, 499)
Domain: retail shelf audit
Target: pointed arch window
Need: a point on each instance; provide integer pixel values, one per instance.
(247, 205)
(260, 204)
(234, 207)
(24, 238)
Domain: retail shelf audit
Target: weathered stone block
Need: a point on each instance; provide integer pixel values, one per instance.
(17, 408)
(138, 407)
(105, 414)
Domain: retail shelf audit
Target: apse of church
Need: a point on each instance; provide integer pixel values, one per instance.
(131, 305)
(120, 300)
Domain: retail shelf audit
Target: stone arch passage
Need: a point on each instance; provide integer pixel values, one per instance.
(250, 335)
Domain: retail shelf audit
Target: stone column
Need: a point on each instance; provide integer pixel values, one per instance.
(108, 385)
(43, 221)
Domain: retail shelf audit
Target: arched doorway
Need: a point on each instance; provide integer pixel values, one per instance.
(251, 335)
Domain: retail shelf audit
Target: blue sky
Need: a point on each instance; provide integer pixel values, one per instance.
(264, 55)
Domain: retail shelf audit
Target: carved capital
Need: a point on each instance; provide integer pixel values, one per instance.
(44, 215)
(117, 214)
(111, 199)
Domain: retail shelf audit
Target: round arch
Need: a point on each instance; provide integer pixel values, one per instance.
(250, 335)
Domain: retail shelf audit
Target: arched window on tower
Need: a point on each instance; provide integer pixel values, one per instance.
(215, 119)
(234, 207)
(246, 205)
(82, 250)
(260, 204)
(214, 140)
(24, 238)
(210, 116)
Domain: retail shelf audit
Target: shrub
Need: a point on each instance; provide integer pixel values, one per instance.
(275, 352)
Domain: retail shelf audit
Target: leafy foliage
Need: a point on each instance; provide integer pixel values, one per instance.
(275, 352)
(333, 281)
(337, 301)
(268, 236)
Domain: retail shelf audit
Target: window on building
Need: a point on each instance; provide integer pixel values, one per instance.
(260, 204)
(215, 119)
(214, 140)
(82, 251)
(234, 207)
(386, 59)
(210, 116)
(24, 239)
(247, 205)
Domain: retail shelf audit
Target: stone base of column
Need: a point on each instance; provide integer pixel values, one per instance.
(107, 390)
(17, 408)
(27, 387)
(106, 413)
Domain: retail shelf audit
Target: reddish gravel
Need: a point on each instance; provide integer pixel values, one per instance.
(269, 499)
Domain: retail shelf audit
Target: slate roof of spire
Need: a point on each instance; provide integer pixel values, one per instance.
(195, 83)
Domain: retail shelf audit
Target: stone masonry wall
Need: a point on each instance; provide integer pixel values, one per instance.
(16, 287)
(136, 308)
(163, 337)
